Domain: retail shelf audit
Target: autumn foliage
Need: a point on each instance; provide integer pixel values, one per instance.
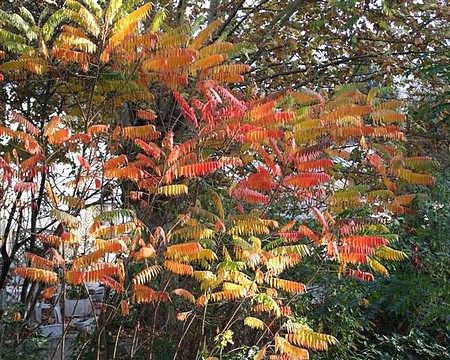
(263, 183)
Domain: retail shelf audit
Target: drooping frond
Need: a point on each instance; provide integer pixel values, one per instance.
(178, 268)
(286, 285)
(40, 275)
(126, 25)
(254, 323)
(193, 233)
(144, 132)
(204, 35)
(300, 249)
(285, 347)
(180, 250)
(378, 267)
(250, 196)
(302, 335)
(40, 262)
(173, 190)
(85, 261)
(421, 163)
(67, 219)
(387, 253)
(362, 275)
(111, 283)
(50, 239)
(196, 170)
(280, 263)
(145, 252)
(116, 215)
(414, 178)
(145, 294)
(146, 275)
(184, 294)
(114, 230)
(238, 292)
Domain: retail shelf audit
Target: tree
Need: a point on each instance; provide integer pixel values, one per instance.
(214, 194)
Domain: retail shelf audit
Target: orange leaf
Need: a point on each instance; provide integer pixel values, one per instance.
(185, 294)
(178, 268)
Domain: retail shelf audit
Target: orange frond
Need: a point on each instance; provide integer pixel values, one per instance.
(178, 268)
(39, 262)
(353, 258)
(205, 34)
(305, 97)
(184, 294)
(99, 270)
(70, 238)
(144, 132)
(306, 231)
(146, 115)
(49, 292)
(286, 285)
(108, 281)
(39, 275)
(75, 277)
(114, 230)
(115, 162)
(145, 294)
(85, 261)
(180, 150)
(260, 135)
(185, 249)
(98, 129)
(124, 308)
(125, 173)
(150, 148)
(145, 252)
(233, 294)
(207, 62)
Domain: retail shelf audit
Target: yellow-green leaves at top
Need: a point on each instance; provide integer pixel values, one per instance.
(52, 23)
(111, 11)
(157, 21)
(94, 6)
(84, 17)
(126, 25)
